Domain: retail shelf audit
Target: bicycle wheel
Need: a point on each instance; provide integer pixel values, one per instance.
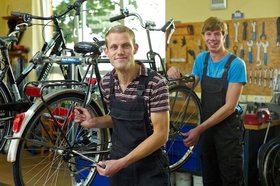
(271, 168)
(5, 124)
(185, 113)
(57, 151)
(263, 153)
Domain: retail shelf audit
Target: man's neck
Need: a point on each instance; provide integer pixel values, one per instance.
(217, 56)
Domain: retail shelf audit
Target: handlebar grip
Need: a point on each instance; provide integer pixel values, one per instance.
(167, 25)
(18, 14)
(116, 18)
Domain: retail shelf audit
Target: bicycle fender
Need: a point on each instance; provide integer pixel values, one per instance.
(11, 156)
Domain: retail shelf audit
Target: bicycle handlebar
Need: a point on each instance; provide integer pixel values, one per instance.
(28, 17)
(145, 24)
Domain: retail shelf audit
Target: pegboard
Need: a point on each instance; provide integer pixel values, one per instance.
(187, 42)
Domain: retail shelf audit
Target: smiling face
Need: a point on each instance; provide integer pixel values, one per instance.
(120, 48)
(214, 32)
(214, 41)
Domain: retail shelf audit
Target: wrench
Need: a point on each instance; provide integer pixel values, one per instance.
(254, 35)
(241, 51)
(236, 25)
(260, 77)
(250, 76)
(259, 44)
(264, 77)
(270, 77)
(263, 36)
(250, 56)
(265, 45)
(244, 32)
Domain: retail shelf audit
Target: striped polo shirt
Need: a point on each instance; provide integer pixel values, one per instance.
(156, 92)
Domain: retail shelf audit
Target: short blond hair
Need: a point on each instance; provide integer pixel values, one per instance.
(120, 29)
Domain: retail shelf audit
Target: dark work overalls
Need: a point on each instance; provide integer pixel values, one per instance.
(131, 126)
(222, 143)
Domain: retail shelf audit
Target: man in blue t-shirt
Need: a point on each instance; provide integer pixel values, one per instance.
(222, 76)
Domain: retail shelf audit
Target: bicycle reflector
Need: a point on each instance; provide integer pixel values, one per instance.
(17, 122)
(32, 91)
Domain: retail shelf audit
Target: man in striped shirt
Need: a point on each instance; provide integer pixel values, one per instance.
(139, 115)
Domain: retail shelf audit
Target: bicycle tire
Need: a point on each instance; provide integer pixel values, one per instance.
(262, 154)
(53, 161)
(5, 125)
(271, 168)
(185, 113)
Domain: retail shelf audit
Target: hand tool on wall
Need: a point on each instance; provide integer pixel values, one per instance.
(236, 26)
(192, 53)
(260, 77)
(199, 45)
(259, 44)
(250, 55)
(278, 31)
(250, 76)
(241, 51)
(265, 45)
(255, 76)
(244, 30)
(254, 34)
(227, 37)
(265, 77)
(270, 77)
(263, 36)
(234, 48)
(183, 41)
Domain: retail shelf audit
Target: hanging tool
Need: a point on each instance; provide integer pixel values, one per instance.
(192, 53)
(183, 41)
(255, 76)
(241, 51)
(250, 55)
(250, 76)
(260, 77)
(278, 31)
(265, 45)
(244, 30)
(236, 26)
(259, 44)
(235, 49)
(263, 36)
(265, 77)
(270, 77)
(254, 34)
(227, 38)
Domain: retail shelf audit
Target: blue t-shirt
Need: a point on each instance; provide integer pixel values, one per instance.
(236, 73)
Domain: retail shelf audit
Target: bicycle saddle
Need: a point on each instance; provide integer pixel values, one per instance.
(89, 47)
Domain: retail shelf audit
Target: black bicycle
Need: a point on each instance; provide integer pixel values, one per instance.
(60, 148)
(11, 98)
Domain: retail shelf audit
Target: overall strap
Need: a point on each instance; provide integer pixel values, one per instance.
(205, 64)
(230, 59)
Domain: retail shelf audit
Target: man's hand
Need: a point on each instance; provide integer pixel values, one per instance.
(82, 116)
(110, 167)
(173, 73)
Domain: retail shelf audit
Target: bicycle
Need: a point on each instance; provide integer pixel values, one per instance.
(56, 146)
(54, 111)
(269, 160)
(11, 99)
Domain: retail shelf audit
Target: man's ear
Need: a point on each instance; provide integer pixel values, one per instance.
(136, 46)
(105, 50)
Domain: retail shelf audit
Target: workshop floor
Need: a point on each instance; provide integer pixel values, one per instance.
(6, 178)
